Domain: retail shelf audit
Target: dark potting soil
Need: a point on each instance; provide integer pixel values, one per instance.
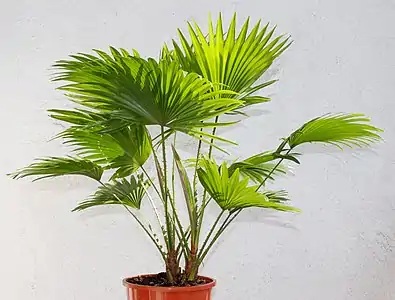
(161, 280)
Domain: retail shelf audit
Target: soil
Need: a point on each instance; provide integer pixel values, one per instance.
(160, 279)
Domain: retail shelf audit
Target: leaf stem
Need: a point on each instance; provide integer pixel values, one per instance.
(157, 244)
(162, 228)
(173, 172)
(279, 150)
(211, 232)
(173, 197)
(188, 230)
(229, 219)
(197, 164)
(170, 233)
(200, 219)
(151, 182)
(180, 228)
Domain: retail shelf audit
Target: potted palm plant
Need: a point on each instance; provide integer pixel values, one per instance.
(128, 112)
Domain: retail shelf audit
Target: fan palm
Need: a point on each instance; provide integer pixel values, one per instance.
(235, 61)
(120, 97)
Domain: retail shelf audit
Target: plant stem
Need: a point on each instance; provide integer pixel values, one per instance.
(270, 173)
(229, 219)
(153, 203)
(211, 232)
(158, 246)
(164, 162)
(181, 230)
(200, 219)
(170, 234)
(188, 230)
(217, 234)
(162, 228)
(172, 266)
(210, 150)
(151, 182)
(197, 165)
(173, 197)
(279, 149)
(173, 171)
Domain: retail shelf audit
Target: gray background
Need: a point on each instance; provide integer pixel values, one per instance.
(343, 244)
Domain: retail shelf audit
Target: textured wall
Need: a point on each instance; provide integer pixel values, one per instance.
(341, 247)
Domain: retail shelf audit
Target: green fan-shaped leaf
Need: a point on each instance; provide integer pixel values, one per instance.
(235, 61)
(75, 117)
(261, 165)
(59, 166)
(135, 141)
(257, 173)
(337, 129)
(143, 92)
(232, 192)
(105, 141)
(87, 143)
(121, 192)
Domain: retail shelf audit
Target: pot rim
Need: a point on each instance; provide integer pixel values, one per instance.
(168, 289)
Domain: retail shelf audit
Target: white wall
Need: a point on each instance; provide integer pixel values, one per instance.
(341, 247)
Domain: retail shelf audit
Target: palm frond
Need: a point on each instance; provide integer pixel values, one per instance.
(122, 192)
(76, 117)
(100, 148)
(337, 129)
(249, 96)
(269, 156)
(143, 92)
(232, 192)
(230, 60)
(257, 173)
(135, 141)
(59, 166)
(105, 141)
(276, 196)
(260, 166)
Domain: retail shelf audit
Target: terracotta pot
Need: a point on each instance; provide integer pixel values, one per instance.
(144, 292)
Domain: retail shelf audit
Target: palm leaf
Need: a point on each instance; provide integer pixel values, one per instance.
(76, 117)
(100, 148)
(143, 92)
(231, 191)
(235, 62)
(135, 141)
(59, 166)
(121, 192)
(106, 141)
(276, 196)
(260, 166)
(337, 129)
(257, 173)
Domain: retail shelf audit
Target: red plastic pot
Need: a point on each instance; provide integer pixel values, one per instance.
(144, 292)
